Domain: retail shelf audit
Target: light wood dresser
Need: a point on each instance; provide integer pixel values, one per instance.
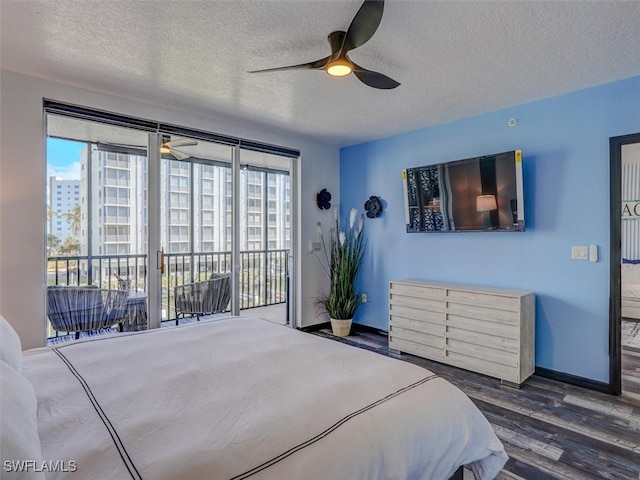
(483, 329)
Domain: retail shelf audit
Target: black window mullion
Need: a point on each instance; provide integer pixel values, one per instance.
(76, 111)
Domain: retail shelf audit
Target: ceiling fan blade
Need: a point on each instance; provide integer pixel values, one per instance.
(303, 66)
(336, 40)
(374, 79)
(181, 142)
(178, 155)
(363, 25)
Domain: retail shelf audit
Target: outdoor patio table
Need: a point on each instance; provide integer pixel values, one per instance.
(136, 318)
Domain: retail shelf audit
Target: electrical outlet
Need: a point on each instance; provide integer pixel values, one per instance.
(364, 298)
(314, 247)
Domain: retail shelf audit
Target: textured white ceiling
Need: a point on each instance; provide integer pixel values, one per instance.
(454, 58)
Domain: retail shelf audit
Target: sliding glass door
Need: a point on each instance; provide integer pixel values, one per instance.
(196, 227)
(169, 217)
(199, 221)
(96, 222)
(265, 237)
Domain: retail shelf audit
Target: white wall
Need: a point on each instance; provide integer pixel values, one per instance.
(23, 193)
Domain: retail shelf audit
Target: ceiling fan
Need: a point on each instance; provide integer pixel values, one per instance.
(168, 147)
(338, 64)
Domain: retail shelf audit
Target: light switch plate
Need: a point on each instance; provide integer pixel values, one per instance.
(579, 252)
(593, 253)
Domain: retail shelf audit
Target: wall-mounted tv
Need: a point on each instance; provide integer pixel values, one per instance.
(480, 194)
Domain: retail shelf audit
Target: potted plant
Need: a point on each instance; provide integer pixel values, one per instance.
(343, 258)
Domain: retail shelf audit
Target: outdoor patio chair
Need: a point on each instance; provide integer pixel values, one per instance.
(202, 298)
(83, 309)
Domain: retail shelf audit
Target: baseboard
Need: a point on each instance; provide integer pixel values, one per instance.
(316, 327)
(356, 327)
(574, 380)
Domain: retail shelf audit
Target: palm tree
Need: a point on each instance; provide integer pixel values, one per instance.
(74, 218)
(53, 243)
(70, 247)
(50, 213)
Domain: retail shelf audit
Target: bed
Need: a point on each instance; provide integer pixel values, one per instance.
(630, 281)
(240, 398)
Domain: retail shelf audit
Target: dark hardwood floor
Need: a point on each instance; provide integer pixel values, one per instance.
(550, 429)
(631, 373)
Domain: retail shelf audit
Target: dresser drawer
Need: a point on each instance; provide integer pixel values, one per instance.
(413, 348)
(481, 353)
(483, 313)
(511, 345)
(417, 303)
(398, 311)
(485, 367)
(497, 302)
(433, 328)
(435, 340)
(481, 326)
(417, 291)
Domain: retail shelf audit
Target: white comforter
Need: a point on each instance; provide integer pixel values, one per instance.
(245, 398)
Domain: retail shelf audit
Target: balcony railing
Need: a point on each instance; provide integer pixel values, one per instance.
(263, 274)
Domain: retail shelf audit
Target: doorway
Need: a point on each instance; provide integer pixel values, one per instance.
(625, 264)
(205, 233)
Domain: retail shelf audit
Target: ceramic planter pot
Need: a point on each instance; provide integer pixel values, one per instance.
(341, 328)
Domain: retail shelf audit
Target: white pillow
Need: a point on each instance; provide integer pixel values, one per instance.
(18, 426)
(10, 346)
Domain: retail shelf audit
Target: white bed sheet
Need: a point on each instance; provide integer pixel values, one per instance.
(246, 398)
(630, 280)
(631, 291)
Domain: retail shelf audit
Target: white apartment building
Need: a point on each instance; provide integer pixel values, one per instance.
(114, 211)
(64, 195)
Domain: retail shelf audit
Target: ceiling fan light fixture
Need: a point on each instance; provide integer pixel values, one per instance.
(165, 149)
(360, 31)
(339, 68)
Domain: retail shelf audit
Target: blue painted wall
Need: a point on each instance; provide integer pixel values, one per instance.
(565, 143)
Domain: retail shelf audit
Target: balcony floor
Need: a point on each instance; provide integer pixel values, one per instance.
(273, 313)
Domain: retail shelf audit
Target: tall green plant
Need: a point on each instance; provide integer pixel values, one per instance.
(343, 258)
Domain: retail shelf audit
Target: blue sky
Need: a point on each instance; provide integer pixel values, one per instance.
(63, 158)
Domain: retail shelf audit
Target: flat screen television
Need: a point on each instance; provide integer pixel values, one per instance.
(480, 194)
